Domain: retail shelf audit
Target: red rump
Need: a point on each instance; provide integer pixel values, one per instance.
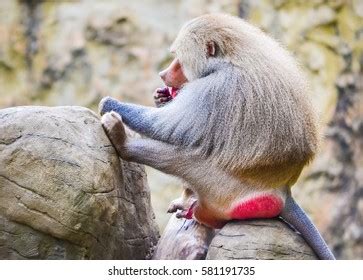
(266, 206)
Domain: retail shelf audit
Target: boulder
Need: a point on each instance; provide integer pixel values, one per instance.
(64, 194)
(270, 239)
(262, 239)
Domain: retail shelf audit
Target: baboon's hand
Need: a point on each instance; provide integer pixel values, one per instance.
(176, 204)
(115, 130)
(186, 207)
(106, 105)
(162, 96)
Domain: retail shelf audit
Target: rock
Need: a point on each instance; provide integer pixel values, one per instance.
(261, 240)
(64, 193)
(250, 239)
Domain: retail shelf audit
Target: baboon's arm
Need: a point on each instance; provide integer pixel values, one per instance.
(138, 118)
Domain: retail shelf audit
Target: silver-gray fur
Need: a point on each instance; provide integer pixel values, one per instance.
(242, 126)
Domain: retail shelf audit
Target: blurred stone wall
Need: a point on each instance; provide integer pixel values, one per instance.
(75, 52)
(325, 36)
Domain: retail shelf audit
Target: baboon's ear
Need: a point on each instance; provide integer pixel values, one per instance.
(211, 49)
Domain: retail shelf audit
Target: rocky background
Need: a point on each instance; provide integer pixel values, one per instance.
(75, 52)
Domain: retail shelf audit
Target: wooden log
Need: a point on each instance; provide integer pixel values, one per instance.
(250, 239)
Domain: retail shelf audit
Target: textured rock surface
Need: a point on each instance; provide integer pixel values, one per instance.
(259, 239)
(269, 239)
(63, 192)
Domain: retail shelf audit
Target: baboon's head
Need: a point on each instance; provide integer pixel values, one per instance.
(211, 36)
(205, 37)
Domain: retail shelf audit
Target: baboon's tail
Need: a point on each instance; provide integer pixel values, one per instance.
(295, 216)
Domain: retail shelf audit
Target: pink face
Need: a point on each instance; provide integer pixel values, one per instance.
(173, 76)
